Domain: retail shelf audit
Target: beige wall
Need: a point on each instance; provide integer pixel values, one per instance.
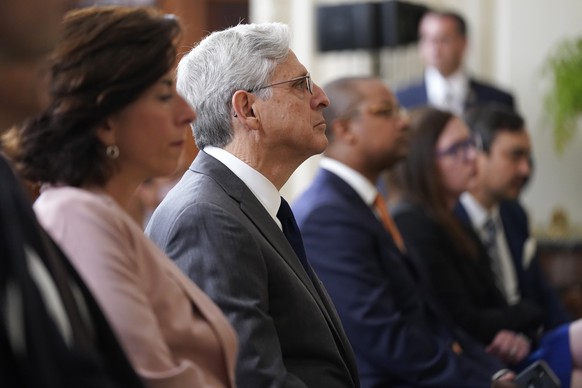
(509, 41)
(533, 28)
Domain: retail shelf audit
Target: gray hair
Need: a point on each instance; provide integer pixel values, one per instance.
(238, 58)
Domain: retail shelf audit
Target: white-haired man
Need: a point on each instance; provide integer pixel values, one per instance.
(259, 116)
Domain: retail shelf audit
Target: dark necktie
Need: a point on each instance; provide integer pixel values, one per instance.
(490, 243)
(291, 231)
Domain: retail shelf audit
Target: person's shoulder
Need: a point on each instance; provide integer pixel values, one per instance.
(66, 198)
(414, 218)
(193, 188)
(410, 90)
(412, 87)
(315, 195)
(196, 199)
(491, 92)
(513, 210)
(66, 210)
(328, 194)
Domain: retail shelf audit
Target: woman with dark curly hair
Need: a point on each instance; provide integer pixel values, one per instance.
(115, 120)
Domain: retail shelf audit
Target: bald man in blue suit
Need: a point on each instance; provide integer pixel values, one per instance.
(400, 336)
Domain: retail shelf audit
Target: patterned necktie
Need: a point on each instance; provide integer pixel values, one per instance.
(388, 222)
(449, 98)
(451, 102)
(490, 243)
(291, 231)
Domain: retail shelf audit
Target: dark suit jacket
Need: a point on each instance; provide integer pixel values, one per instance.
(48, 361)
(464, 285)
(533, 285)
(219, 234)
(415, 95)
(400, 337)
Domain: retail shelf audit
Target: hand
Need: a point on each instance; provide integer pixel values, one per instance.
(509, 347)
(504, 379)
(503, 384)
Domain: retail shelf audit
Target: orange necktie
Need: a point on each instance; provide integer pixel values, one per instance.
(380, 206)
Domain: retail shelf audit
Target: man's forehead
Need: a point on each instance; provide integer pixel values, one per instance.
(438, 24)
(374, 88)
(512, 134)
(290, 66)
(512, 138)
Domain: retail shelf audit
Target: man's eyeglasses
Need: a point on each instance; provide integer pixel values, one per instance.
(460, 149)
(306, 78)
(385, 110)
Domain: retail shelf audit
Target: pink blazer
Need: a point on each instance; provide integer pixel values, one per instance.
(173, 333)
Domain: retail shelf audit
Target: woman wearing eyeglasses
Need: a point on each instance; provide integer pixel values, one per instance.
(439, 167)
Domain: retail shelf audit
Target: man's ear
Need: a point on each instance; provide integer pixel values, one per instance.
(342, 131)
(243, 108)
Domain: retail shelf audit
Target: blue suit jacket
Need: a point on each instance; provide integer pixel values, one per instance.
(532, 282)
(399, 335)
(415, 95)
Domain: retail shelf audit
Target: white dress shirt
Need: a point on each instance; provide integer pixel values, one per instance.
(365, 189)
(478, 216)
(448, 93)
(260, 186)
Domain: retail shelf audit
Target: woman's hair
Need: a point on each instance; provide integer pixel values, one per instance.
(418, 178)
(107, 57)
(239, 58)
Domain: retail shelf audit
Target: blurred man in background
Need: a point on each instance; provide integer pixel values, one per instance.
(447, 84)
(491, 206)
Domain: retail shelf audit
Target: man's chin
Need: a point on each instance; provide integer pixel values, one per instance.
(321, 145)
(513, 194)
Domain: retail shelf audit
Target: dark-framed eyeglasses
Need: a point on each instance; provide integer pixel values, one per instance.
(307, 78)
(460, 149)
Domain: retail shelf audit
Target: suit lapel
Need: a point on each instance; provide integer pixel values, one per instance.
(515, 241)
(263, 221)
(415, 270)
(256, 213)
(462, 214)
(482, 263)
(341, 338)
(472, 95)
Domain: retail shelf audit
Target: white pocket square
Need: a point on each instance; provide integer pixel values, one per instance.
(529, 251)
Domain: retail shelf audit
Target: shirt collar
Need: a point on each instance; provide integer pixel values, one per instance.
(260, 186)
(437, 85)
(365, 189)
(477, 213)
